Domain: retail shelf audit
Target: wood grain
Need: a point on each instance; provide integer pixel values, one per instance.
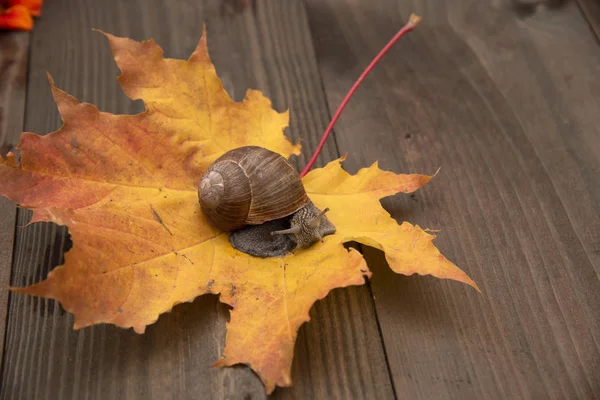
(591, 12)
(267, 46)
(13, 77)
(506, 102)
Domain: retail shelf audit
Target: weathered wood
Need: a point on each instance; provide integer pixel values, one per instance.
(506, 103)
(591, 11)
(13, 78)
(266, 46)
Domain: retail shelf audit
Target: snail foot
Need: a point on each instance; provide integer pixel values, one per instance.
(257, 240)
(278, 237)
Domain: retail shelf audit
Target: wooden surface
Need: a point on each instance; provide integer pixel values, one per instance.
(508, 108)
(591, 11)
(503, 95)
(13, 82)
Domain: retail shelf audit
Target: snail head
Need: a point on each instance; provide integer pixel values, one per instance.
(308, 225)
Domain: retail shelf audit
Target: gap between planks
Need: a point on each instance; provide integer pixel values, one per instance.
(591, 12)
(14, 47)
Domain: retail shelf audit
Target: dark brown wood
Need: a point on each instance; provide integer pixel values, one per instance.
(591, 11)
(263, 45)
(506, 102)
(13, 79)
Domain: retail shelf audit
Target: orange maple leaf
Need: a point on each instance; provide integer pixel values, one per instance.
(34, 6)
(17, 14)
(125, 185)
(16, 18)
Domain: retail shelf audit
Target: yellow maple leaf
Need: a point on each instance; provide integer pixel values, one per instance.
(125, 185)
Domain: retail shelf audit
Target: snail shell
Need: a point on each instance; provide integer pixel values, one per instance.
(248, 186)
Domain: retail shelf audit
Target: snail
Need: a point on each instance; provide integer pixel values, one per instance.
(258, 196)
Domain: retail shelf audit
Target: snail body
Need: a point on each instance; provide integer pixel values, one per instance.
(251, 185)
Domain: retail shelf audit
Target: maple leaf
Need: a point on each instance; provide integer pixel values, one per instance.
(17, 14)
(34, 6)
(356, 212)
(16, 18)
(125, 185)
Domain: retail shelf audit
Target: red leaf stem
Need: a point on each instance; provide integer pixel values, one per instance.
(410, 25)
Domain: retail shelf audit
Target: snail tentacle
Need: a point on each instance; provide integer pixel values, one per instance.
(294, 230)
(316, 221)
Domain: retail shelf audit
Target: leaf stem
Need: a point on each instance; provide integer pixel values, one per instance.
(410, 25)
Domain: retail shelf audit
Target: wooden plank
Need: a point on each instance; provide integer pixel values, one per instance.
(268, 47)
(507, 105)
(591, 11)
(13, 77)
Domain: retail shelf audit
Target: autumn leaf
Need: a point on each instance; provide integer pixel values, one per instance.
(356, 212)
(16, 18)
(34, 6)
(125, 185)
(17, 14)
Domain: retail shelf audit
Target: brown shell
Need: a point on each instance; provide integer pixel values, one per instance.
(258, 185)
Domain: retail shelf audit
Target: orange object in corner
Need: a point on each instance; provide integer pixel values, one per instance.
(34, 6)
(16, 18)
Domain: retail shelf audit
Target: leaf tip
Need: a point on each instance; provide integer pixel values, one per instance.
(297, 149)
(40, 289)
(270, 388)
(17, 289)
(50, 79)
(471, 283)
(459, 275)
(106, 34)
(219, 363)
(77, 325)
(62, 99)
(139, 329)
(200, 53)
